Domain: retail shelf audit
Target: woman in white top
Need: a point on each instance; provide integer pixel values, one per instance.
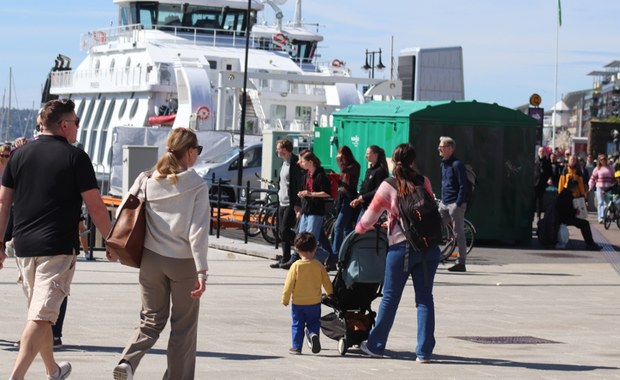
(173, 272)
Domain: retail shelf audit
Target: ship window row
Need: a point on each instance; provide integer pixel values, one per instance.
(154, 15)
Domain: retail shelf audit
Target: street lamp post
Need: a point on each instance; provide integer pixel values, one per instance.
(370, 63)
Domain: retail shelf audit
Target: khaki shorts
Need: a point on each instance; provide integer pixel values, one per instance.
(46, 281)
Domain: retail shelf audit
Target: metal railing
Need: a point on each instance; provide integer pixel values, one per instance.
(220, 201)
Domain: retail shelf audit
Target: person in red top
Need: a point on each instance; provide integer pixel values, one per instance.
(347, 192)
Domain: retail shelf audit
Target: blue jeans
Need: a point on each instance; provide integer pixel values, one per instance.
(601, 200)
(304, 315)
(401, 263)
(343, 225)
(314, 225)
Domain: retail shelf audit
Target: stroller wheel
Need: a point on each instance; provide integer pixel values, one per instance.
(343, 346)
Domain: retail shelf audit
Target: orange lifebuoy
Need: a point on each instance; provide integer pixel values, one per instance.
(203, 112)
(100, 36)
(279, 38)
(337, 63)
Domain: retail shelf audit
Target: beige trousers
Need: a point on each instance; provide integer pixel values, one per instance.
(166, 284)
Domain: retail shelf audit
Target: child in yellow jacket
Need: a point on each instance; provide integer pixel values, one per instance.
(303, 282)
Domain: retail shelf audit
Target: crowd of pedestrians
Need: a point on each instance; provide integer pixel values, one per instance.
(174, 267)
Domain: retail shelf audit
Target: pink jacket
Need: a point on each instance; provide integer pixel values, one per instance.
(386, 199)
(602, 177)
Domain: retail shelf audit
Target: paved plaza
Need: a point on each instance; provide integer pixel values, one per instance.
(518, 313)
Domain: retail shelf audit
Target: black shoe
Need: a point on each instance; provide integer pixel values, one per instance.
(287, 265)
(458, 268)
(315, 342)
(275, 265)
(57, 342)
(593, 247)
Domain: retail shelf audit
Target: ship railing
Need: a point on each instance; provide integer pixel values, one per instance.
(114, 79)
(125, 33)
(285, 88)
(197, 35)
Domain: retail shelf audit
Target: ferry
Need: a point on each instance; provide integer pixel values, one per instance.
(180, 63)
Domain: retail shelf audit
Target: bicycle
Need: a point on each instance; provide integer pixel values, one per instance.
(612, 213)
(261, 216)
(448, 244)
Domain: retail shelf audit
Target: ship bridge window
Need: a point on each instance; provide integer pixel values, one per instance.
(234, 21)
(303, 51)
(147, 17)
(127, 15)
(207, 18)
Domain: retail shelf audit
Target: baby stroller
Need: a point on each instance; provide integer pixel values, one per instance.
(358, 281)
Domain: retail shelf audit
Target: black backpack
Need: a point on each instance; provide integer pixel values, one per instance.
(419, 216)
(472, 182)
(548, 227)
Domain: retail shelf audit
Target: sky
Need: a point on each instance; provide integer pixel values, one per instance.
(509, 46)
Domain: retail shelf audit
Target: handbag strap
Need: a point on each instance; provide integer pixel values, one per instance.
(142, 186)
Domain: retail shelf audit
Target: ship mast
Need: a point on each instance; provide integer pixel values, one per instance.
(8, 112)
(297, 21)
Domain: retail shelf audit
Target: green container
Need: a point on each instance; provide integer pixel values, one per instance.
(324, 149)
(498, 142)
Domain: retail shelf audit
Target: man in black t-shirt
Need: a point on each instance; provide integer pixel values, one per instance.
(47, 180)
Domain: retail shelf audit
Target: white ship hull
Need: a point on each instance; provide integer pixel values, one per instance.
(166, 75)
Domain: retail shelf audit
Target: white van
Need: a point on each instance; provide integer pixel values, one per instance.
(225, 166)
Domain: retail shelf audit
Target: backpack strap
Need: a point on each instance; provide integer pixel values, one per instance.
(420, 182)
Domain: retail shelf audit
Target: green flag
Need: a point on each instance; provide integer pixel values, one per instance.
(559, 12)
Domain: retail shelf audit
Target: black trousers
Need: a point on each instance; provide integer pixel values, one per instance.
(584, 227)
(286, 215)
(539, 195)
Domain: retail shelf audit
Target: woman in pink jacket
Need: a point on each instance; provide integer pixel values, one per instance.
(402, 261)
(602, 177)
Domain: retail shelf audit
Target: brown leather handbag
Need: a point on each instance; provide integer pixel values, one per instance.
(126, 238)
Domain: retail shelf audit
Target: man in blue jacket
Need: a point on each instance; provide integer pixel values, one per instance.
(454, 189)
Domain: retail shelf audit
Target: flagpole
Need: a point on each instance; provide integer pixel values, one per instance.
(555, 90)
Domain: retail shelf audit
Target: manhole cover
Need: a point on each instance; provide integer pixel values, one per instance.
(504, 339)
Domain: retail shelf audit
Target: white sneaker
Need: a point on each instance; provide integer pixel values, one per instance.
(423, 361)
(123, 371)
(64, 370)
(364, 348)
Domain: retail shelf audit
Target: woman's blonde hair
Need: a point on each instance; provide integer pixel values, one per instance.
(179, 141)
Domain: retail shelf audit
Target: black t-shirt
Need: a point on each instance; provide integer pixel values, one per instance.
(47, 176)
(316, 182)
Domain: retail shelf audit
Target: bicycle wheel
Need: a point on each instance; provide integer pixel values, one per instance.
(328, 227)
(252, 216)
(608, 216)
(470, 235)
(268, 219)
(448, 243)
